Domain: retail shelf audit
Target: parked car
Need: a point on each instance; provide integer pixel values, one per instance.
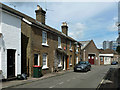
(82, 66)
(114, 63)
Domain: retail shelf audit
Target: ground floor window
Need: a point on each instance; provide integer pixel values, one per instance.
(36, 59)
(44, 59)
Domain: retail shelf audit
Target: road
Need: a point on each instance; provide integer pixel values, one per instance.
(72, 79)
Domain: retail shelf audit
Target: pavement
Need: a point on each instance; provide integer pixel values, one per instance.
(13, 83)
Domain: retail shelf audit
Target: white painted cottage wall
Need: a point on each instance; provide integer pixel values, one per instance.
(11, 30)
(0, 53)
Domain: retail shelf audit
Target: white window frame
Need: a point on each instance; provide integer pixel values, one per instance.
(59, 60)
(38, 59)
(45, 66)
(44, 38)
(59, 42)
(70, 46)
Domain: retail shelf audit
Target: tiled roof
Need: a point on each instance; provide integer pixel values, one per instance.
(84, 44)
(106, 51)
(34, 21)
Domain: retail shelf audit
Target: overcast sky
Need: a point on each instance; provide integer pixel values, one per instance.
(86, 20)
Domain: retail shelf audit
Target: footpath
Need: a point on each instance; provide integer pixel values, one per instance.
(13, 83)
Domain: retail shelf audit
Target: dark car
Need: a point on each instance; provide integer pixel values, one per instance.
(114, 63)
(82, 66)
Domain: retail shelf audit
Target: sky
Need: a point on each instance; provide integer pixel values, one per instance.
(86, 20)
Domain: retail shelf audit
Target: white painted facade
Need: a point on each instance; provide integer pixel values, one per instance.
(107, 58)
(11, 39)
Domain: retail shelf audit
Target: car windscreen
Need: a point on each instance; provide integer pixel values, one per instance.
(82, 62)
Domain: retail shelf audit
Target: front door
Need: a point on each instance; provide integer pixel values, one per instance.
(91, 58)
(10, 63)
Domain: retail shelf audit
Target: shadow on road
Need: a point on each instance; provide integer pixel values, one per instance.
(111, 80)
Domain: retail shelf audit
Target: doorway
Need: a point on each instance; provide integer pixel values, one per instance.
(10, 63)
(91, 58)
(64, 66)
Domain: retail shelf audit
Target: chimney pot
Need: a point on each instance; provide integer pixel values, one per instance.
(64, 28)
(40, 14)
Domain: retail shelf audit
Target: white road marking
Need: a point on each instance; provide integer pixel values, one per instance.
(61, 82)
(51, 86)
(102, 81)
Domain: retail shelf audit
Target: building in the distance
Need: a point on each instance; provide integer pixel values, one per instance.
(106, 45)
(110, 45)
(113, 45)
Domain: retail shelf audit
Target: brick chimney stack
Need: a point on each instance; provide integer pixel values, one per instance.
(64, 28)
(40, 14)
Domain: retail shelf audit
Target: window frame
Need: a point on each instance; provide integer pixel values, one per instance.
(44, 38)
(59, 42)
(46, 65)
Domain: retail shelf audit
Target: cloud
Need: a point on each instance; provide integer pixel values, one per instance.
(113, 25)
(77, 30)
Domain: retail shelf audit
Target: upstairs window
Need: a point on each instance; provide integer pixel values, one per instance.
(44, 37)
(59, 42)
(70, 45)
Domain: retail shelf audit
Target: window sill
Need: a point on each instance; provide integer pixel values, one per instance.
(59, 65)
(45, 67)
(60, 47)
(44, 44)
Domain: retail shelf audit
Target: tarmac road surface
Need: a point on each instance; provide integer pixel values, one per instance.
(90, 79)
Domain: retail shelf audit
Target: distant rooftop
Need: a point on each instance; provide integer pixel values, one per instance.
(84, 44)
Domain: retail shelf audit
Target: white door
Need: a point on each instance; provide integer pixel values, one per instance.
(64, 63)
(76, 59)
